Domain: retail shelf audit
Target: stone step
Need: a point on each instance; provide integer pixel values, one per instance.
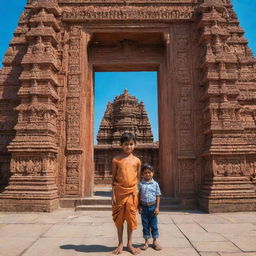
(107, 201)
(93, 201)
(93, 208)
(164, 208)
(229, 184)
(229, 190)
(103, 204)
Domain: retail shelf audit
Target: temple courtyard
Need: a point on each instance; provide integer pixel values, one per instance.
(182, 233)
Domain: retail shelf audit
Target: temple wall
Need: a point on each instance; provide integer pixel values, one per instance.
(206, 91)
(103, 156)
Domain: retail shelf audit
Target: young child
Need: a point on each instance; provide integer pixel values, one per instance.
(125, 179)
(149, 201)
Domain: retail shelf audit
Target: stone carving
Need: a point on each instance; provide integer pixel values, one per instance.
(34, 148)
(124, 114)
(73, 112)
(206, 89)
(72, 176)
(228, 167)
(187, 172)
(227, 113)
(129, 13)
(250, 168)
(73, 127)
(33, 166)
(39, 47)
(184, 118)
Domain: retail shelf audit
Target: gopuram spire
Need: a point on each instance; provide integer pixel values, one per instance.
(124, 114)
(228, 76)
(33, 58)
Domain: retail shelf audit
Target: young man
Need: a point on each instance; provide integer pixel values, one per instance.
(149, 202)
(125, 179)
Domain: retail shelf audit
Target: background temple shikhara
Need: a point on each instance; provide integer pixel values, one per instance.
(124, 114)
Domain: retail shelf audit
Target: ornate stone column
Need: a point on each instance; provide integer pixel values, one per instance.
(32, 186)
(185, 169)
(9, 86)
(79, 123)
(229, 146)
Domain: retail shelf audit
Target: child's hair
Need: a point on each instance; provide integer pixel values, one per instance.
(145, 167)
(127, 136)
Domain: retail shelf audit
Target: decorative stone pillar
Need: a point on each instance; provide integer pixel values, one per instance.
(79, 109)
(227, 182)
(32, 185)
(9, 86)
(186, 170)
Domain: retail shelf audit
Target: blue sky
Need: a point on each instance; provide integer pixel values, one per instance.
(142, 85)
(107, 85)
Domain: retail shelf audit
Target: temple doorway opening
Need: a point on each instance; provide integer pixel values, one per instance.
(124, 102)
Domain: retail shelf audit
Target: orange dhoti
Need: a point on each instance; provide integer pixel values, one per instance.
(126, 206)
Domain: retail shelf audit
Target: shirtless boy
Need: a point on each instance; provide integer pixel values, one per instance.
(125, 179)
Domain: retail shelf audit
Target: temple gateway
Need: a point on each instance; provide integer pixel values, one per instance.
(206, 95)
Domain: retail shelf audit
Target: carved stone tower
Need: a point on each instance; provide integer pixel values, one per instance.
(125, 114)
(206, 99)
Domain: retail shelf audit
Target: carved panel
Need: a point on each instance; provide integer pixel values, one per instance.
(186, 170)
(73, 111)
(184, 122)
(184, 111)
(73, 101)
(72, 175)
(29, 165)
(250, 168)
(129, 13)
(234, 166)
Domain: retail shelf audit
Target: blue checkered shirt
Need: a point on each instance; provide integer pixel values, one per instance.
(149, 190)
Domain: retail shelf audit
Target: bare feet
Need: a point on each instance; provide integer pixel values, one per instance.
(132, 249)
(156, 246)
(145, 246)
(119, 249)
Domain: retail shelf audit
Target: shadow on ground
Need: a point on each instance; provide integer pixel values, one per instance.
(87, 248)
(103, 193)
(92, 248)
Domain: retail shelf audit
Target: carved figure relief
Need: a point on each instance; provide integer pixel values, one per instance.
(27, 166)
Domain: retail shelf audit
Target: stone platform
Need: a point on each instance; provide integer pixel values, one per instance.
(68, 233)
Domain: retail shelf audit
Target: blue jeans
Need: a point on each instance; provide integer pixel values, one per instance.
(149, 221)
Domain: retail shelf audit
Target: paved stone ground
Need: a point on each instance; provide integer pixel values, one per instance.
(69, 233)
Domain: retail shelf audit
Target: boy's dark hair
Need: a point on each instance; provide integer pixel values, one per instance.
(146, 166)
(127, 136)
